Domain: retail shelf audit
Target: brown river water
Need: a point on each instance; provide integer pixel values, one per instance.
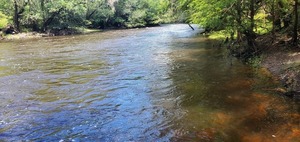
(165, 83)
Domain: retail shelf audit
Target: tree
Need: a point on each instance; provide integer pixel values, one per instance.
(3, 20)
(137, 13)
(295, 31)
(44, 15)
(19, 8)
(98, 13)
(63, 13)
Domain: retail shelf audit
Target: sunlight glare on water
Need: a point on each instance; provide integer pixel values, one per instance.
(164, 83)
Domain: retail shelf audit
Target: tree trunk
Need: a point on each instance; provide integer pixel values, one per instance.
(16, 16)
(295, 35)
(239, 20)
(251, 35)
(50, 19)
(273, 20)
(252, 13)
(89, 15)
(43, 9)
(276, 21)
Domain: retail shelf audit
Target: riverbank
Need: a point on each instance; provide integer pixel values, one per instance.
(31, 35)
(27, 35)
(276, 54)
(283, 60)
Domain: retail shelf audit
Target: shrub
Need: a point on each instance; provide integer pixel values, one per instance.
(3, 20)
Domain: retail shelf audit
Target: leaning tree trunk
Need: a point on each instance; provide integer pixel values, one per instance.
(295, 35)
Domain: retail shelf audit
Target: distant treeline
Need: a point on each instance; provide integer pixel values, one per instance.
(43, 15)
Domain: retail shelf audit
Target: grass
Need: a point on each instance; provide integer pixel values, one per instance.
(218, 35)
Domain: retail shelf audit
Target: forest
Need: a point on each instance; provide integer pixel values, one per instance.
(43, 15)
(243, 21)
(235, 18)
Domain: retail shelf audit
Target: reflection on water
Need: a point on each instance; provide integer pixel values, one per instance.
(156, 84)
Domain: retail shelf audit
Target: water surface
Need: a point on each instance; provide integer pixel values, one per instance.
(164, 83)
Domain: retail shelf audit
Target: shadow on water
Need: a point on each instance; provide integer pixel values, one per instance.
(155, 84)
(228, 103)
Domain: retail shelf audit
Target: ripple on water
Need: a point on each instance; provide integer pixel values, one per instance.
(157, 84)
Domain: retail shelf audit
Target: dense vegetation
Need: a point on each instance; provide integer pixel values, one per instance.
(43, 15)
(241, 20)
(253, 28)
(245, 19)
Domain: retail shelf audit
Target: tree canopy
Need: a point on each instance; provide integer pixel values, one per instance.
(41, 15)
(241, 19)
(244, 18)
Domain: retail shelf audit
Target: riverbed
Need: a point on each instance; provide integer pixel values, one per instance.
(166, 83)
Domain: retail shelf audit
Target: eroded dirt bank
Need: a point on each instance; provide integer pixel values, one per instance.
(283, 60)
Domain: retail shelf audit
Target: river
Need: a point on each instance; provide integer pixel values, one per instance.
(165, 83)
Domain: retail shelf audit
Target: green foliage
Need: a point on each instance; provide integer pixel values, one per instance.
(255, 61)
(241, 19)
(264, 25)
(219, 35)
(211, 14)
(137, 19)
(4, 13)
(139, 13)
(98, 14)
(43, 15)
(3, 20)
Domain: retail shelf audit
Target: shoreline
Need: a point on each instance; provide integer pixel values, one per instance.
(33, 35)
(283, 62)
(23, 35)
(277, 55)
(66, 32)
(285, 66)
(58, 32)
